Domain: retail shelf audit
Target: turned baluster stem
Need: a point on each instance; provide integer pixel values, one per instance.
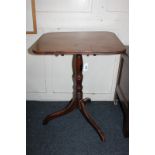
(77, 76)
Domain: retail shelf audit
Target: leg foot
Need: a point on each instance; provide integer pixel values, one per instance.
(91, 121)
(70, 107)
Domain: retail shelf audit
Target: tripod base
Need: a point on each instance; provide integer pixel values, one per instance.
(77, 101)
(82, 107)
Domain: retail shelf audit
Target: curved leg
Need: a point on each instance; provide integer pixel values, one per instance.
(69, 103)
(70, 107)
(91, 120)
(77, 101)
(86, 100)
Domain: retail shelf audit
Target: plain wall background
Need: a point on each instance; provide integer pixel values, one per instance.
(49, 77)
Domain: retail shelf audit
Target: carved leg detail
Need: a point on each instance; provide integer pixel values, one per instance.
(91, 120)
(70, 107)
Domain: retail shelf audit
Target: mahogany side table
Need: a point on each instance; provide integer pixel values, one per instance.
(78, 44)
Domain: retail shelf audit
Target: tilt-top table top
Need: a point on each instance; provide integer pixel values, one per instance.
(98, 43)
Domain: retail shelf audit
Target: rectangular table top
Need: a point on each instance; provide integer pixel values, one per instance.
(99, 42)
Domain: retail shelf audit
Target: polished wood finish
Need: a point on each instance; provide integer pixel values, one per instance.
(122, 89)
(91, 120)
(88, 43)
(77, 101)
(78, 44)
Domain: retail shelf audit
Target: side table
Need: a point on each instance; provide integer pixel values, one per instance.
(78, 44)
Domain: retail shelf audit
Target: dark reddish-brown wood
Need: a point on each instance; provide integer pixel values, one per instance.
(91, 120)
(91, 43)
(77, 101)
(78, 44)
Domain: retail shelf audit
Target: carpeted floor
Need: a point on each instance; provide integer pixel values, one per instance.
(71, 134)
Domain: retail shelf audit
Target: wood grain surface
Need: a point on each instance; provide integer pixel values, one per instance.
(92, 43)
